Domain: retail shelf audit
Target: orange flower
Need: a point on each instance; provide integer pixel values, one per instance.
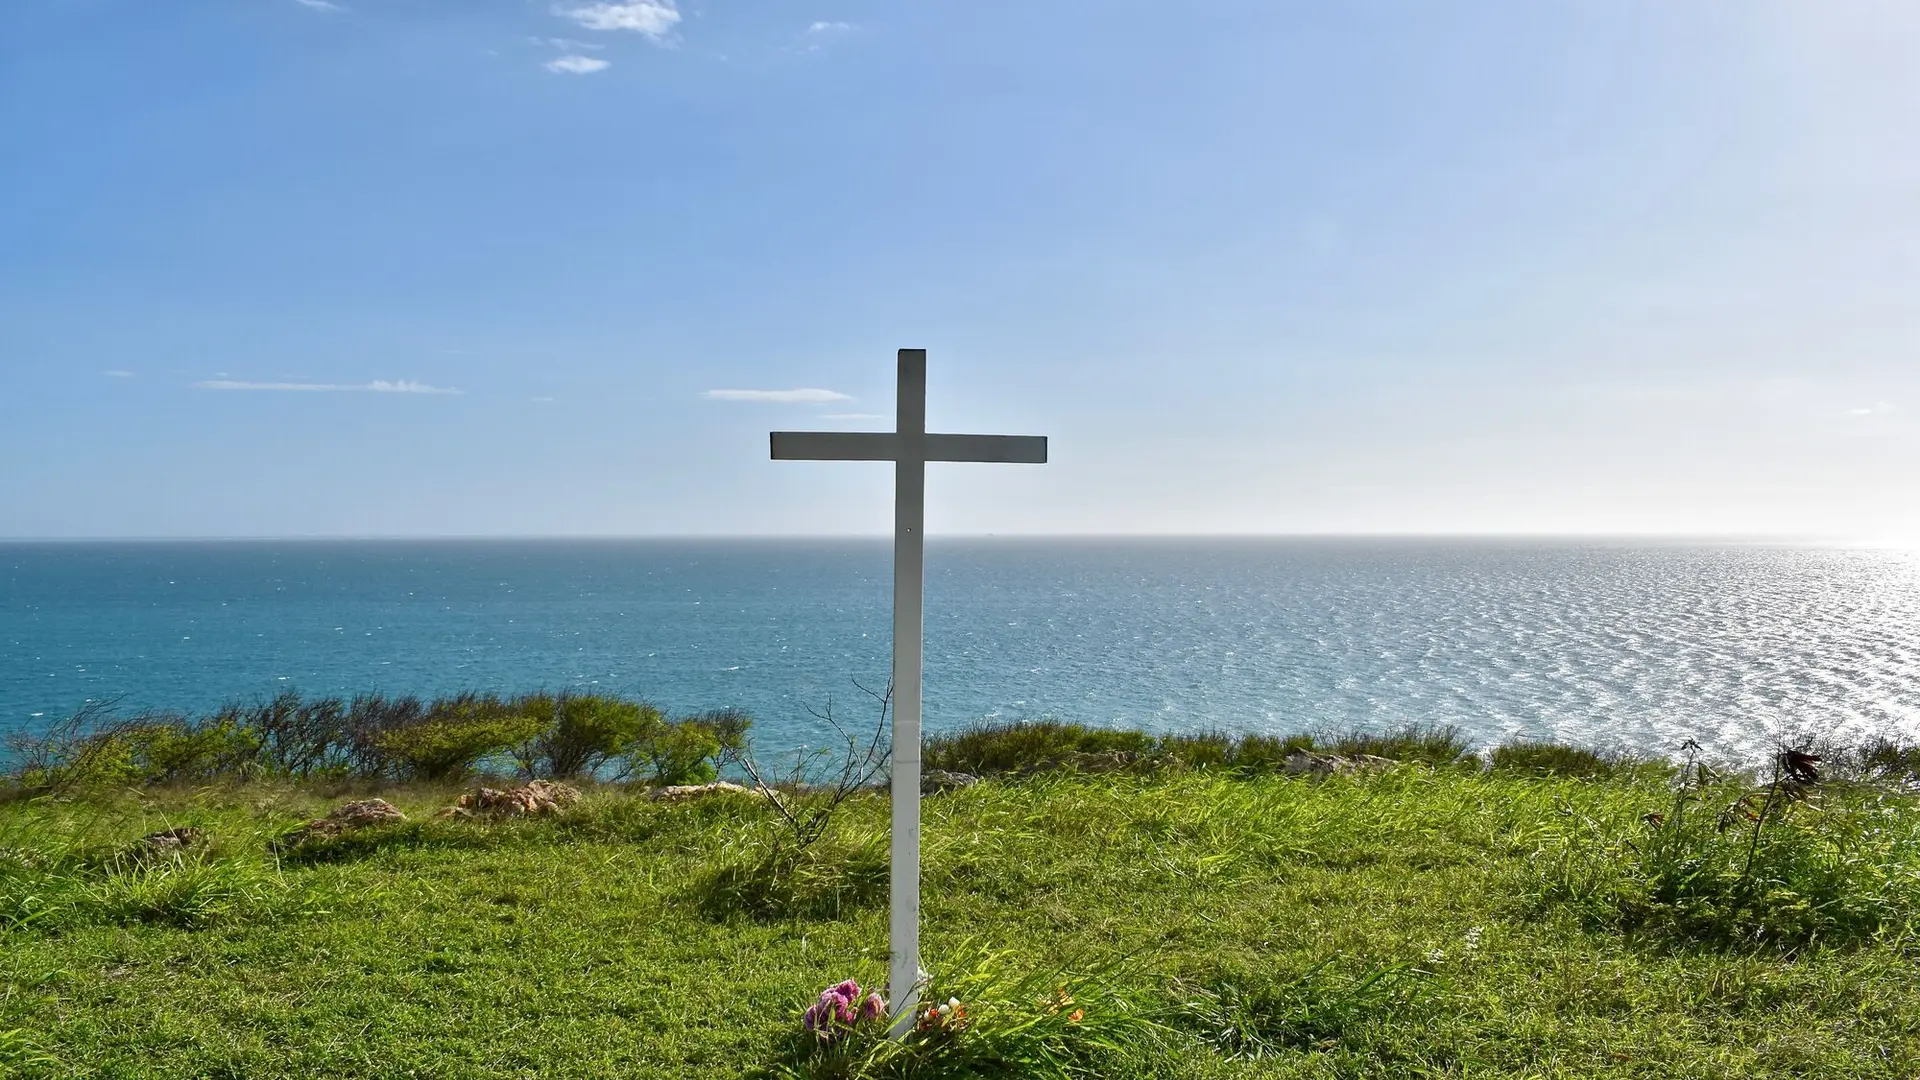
(1076, 1016)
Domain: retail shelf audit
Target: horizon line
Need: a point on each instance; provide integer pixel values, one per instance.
(1694, 537)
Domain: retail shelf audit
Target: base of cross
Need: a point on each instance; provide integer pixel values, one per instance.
(904, 1011)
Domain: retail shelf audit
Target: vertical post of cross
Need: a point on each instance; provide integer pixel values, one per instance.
(909, 584)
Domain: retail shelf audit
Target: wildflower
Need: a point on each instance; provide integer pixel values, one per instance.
(1076, 1016)
(949, 1018)
(1473, 939)
(817, 1022)
(839, 1008)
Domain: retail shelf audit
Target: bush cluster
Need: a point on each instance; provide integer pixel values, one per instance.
(376, 737)
(1012, 747)
(1539, 757)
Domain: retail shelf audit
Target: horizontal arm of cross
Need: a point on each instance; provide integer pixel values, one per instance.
(888, 446)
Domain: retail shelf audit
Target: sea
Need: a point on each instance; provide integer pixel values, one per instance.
(1615, 644)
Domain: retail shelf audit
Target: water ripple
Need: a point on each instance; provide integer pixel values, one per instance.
(1612, 644)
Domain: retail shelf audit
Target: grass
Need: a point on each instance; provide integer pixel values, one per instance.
(1106, 904)
(1000, 749)
(1205, 923)
(1730, 865)
(1539, 757)
(1261, 1013)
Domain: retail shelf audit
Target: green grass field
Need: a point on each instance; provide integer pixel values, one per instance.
(1413, 922)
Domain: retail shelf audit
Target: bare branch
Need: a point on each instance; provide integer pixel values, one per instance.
(852, 768)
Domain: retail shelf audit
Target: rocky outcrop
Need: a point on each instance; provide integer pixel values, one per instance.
(1307, 763)
(1094, 761)
(167, 842)
(359, 814)
(536, 798)
(935, 781)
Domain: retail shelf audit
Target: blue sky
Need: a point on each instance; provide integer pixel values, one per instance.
(1580, 266)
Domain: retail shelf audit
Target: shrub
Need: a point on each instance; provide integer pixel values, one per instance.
(174, 750)
(96, 750)
(373, 737)
(370, 719)
(301, 738)
(453, 737)
(50, 762)
(682, 753)
(691, 751)
(580, 733)
(728, 727)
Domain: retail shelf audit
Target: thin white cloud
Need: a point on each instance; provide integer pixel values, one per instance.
(1878, 408)
(821, 33)
(853, 416)
(654, 18)
(567, 44)
(116, 373)
(377, 386)
(803, 396)
(406, 386)
(319, 5)
(577, 65)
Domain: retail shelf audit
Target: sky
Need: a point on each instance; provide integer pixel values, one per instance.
(500, 267)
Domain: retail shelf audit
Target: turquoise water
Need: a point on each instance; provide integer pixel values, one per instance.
(1614, 644)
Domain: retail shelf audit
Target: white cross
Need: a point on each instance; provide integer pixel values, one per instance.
(909, 447)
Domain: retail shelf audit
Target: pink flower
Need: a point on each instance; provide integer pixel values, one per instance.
(840, 1007)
